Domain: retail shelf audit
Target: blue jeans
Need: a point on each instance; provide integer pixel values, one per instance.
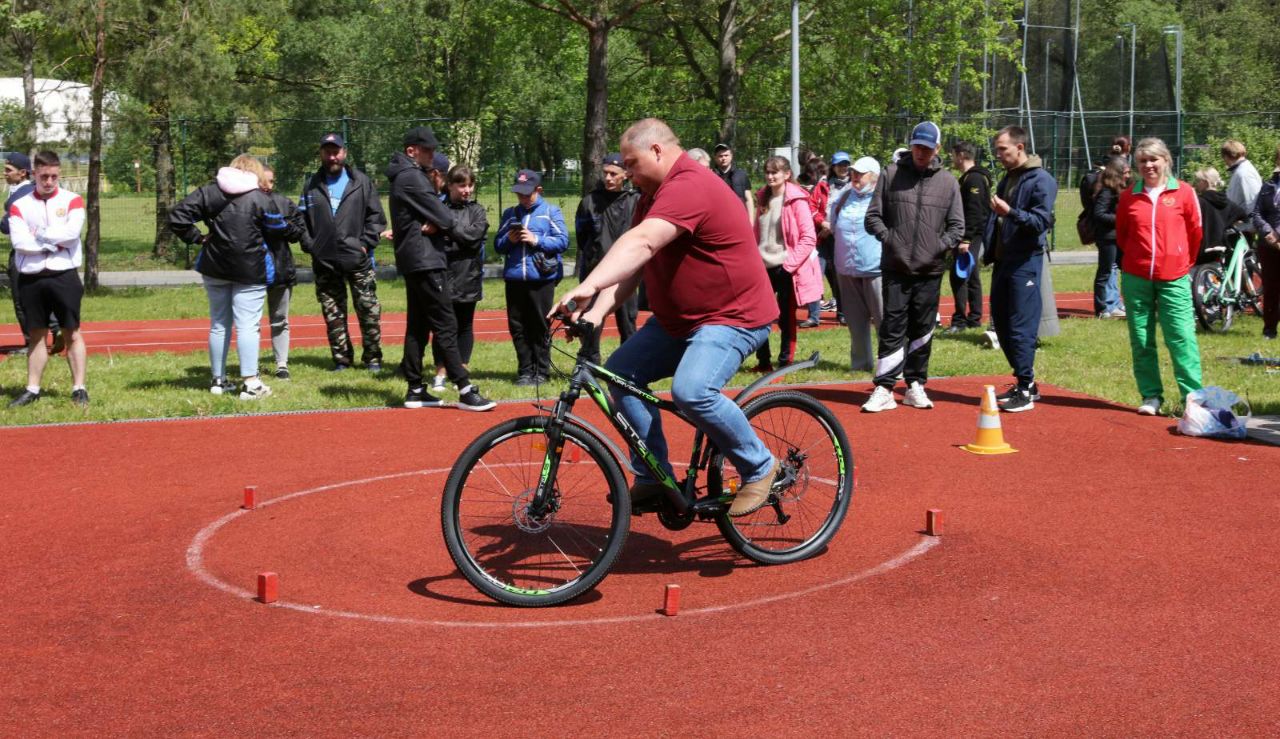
(243, 303)
(699, 364)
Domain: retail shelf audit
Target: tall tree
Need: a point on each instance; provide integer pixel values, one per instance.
(599, 18)
(22, 22)
(93, 198)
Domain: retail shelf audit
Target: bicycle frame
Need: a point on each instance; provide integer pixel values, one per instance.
(1233, 275)
(585, 376)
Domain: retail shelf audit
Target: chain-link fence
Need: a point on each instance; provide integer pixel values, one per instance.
(495, 150)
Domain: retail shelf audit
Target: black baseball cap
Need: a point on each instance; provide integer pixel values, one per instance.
(421, 136)
(333, 138)
(614, 159)
(526, 182)
(722, 147)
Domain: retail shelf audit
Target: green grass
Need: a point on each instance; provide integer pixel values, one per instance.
(1090, 356)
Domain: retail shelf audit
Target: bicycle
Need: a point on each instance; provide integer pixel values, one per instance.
(1222, 287)
(536, 509)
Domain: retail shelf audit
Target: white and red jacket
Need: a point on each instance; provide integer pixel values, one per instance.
(46, 231)
(1159, 237)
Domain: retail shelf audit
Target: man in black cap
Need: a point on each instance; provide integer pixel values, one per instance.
(418, 220)
(603, 215)
(735, 177)
(343, 217)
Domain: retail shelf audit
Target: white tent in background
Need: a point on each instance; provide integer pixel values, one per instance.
(63, 107)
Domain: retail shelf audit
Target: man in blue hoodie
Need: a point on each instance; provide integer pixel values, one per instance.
(1017, 230)
(531, 238)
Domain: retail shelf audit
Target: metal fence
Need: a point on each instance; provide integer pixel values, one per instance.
(1066, 143)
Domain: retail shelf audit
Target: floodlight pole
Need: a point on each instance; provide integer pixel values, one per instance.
(1048, 44)
(1120, 76)
(1133, 51)
(1177, 82)
(795, 84)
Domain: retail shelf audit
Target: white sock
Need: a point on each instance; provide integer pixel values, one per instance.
(77, 387)
(33, 389)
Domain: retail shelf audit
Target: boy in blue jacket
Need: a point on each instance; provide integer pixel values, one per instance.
(531, 237)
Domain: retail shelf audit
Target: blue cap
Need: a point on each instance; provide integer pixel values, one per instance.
(18, 160)
(964, 263)
(526, 182)
(613, 159)
(440, 163)
(926, 134)
(840, 157)
(333, 139)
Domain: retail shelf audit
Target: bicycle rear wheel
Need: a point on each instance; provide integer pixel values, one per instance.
(810, 501)
(1213, 313)
(509, 552)
(1252, 287)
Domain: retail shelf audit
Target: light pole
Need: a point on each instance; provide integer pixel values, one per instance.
(1120, 74)
(1048, 44)
(795, 84)
(1133, 49)
(1176, 31)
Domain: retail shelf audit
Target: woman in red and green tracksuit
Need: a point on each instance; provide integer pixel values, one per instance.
(1158, 228)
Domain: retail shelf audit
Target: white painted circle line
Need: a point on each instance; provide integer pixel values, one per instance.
(195, 563)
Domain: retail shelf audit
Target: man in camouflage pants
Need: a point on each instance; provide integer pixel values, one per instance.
(344, 218)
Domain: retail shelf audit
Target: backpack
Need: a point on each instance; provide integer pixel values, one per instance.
(1084, 228)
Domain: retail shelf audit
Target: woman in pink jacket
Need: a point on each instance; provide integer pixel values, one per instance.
(788, 246)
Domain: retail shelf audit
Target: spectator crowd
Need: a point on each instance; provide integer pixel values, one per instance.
(877, 237)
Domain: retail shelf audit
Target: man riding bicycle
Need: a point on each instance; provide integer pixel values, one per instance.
(711, 302)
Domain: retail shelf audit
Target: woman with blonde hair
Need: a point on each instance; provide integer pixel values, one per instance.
(1158, 229)
(235, 263)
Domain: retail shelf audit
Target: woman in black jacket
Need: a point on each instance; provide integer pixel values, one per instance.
(1266, 221)
(236, 263)
(1106, 196)
(1217, 214)
(464, 250)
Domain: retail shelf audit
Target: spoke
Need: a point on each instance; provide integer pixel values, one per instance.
(566, 557)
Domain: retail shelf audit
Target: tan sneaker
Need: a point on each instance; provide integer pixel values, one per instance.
(752, 496)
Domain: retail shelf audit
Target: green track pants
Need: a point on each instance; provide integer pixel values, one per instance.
(1169, 303)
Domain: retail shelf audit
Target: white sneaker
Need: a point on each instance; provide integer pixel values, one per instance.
(1149, 407)
(254, 391)
(990, 340)
(437, 384)
(916, 397)
(881, 400)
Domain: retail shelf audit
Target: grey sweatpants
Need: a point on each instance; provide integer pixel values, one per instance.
(863, 308)
(278, 311)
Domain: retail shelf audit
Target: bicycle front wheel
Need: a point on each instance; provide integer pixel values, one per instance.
(1213, 313)
(810, 501)
(521, 556)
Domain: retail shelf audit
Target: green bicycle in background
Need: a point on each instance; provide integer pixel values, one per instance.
(536, 509)
(1232, 283)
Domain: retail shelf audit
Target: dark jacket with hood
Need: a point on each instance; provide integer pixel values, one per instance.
(238, 216)
(1265, 217)
(917, 216)
(414, 201)
(464, 249)
(341, 242)
(1103, 213)
(1024, 231)
(21, 191)
(278, 243)
(602, 217)
(975, 195)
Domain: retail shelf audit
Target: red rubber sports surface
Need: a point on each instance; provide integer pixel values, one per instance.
(308, 330)
(1110, 578)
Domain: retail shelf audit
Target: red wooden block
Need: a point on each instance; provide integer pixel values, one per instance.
(933, 522)
(250, 497)
(268, 587)
(671, 601)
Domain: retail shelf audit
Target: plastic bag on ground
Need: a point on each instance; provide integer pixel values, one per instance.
(1215, 412)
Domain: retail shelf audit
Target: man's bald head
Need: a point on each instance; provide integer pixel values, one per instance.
(650, 131)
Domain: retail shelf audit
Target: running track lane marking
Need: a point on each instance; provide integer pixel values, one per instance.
(195, 563)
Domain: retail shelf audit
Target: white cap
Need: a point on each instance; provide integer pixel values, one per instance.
(866, 164)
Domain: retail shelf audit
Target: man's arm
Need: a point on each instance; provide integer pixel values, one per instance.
(623, 262)
(746, 197)
(1037, 217)
(69, 229)
(23, 239)
(954, 232)
(556, 239)
(374, 220)
(185, 215)
(874, 220)
(422, 201)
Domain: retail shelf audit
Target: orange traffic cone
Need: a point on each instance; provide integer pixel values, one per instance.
(990, 436)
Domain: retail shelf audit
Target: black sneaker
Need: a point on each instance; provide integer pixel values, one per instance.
(282, 373)
(340, 368)
(1021, 400)
(374, 366)
(1012, 390)
(525, 381)
(80, 397)
(418, 397)
(470, 399)
(27, 398)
